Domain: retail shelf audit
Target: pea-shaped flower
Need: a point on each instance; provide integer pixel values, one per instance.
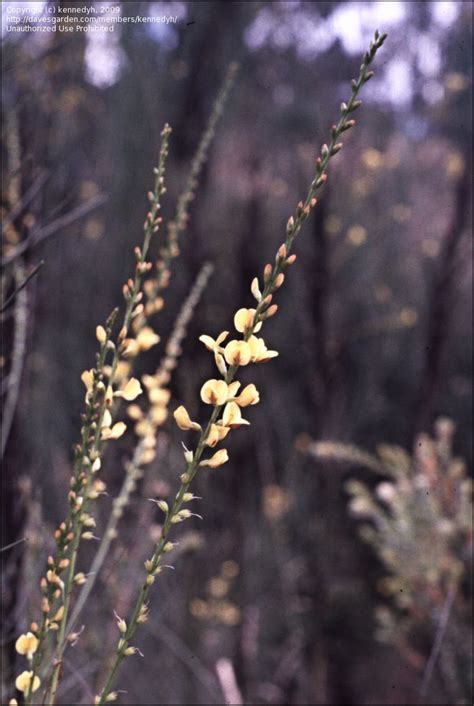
(243, 320)
(211, 344)
(131, 390)
(114, 432)
(147, 338)
(219, 458)
(183, 420)
(237, 353)
(216, 433)
(23, 681)
(248, 396)
(215, 392)
(27, 644)
(259, 351)
(232, 416)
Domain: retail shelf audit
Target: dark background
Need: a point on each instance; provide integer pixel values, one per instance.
(373, 331)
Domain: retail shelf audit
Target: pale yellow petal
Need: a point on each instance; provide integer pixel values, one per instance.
(26, 644)
(248, 396)
(147, 338)
(131, 390)
(209, 342)
(115, 432)
(234, 388)
(87, 379)
(237, 353)
(182, 418)
(214, 392)
(106, 419)
(232, 416)
(218, 459)
(100, 334)
(22, 682)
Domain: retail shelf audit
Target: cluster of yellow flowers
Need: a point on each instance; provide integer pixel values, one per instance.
(129, 390)
(147, 422)
(219, 393)
(27, 645)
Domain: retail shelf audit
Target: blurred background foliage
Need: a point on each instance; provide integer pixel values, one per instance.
(274, 599)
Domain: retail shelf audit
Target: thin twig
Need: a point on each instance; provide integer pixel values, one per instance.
(179, 648)
(13, 544)
(23, 284)
(37, 236)
(27, 198)
(18, 356)
(438, 642)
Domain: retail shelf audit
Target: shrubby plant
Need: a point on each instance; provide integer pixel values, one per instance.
(418, 520)
(111, 381)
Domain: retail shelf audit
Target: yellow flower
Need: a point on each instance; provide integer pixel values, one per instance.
(134, 412)
(248, 396)
(106, 419)
(214, 345)
(115, 432)
(131, 390)
(243, 320)
(215, 392)
(122, 370)
(159, 395)
(27, 644)
(23, 681)
(233, 389)
(100, 334)
(150, 381)
(87, 379)
(159, 414)
(144, 428)
(183, 420)
(232, 416)
(219, 458)
(130, 348)
(217, 432)
(259, 353)
(147, 456)
(147, 338)
(237, 353)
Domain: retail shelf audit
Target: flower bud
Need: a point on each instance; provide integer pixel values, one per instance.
(101, 334)
(254, 288)
(279, 281)
(122, 626)
(163, 505)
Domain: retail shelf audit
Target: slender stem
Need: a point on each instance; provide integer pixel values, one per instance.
(438, 642)
(294, 226)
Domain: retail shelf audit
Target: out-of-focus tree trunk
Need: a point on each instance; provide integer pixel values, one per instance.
(442, 299)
